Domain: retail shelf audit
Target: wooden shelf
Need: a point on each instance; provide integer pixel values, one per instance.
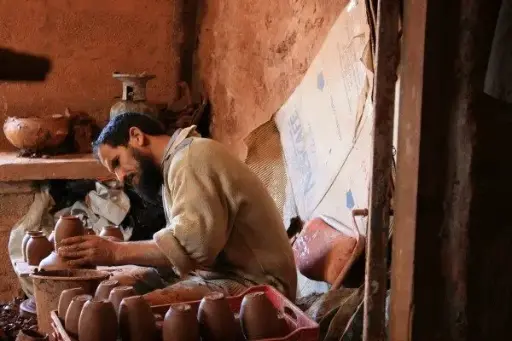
(72, 167)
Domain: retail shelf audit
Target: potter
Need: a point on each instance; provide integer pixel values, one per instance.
(224, 232)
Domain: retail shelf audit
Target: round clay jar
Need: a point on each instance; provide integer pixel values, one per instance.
(112, 231)
(216, 320)
(25, 240)
(38, 248)
(98, 321)
(66, 296)
(259, 318)
(136, 320)
(103, 290)
(180, 324)
(73, 313)
(118, 294)
(31, 335)
(68, 226)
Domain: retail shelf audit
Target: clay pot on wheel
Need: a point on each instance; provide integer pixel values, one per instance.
(112, 231)
(180, 324)
(54, 262)
(136, 320)
(216, 320)
(68, 226)
(73, 313)
(104, 289)
(259, 318)
(98, 321)
(65, 300)
(30, 335)
(89, 232)
(38, 247)
(118, 294)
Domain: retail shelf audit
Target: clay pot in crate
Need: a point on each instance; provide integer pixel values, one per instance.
(38, 248)
(48, 285)
(68, 226)
(118, 294)
(112, 231)
(104, 289)
(136, 320)
(73, 314)
(30, 335)
(65, 299)
(98, 321)
(180, 324)
(259, 318)
(216, 320)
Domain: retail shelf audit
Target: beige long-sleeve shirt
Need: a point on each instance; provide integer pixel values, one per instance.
(221, 221)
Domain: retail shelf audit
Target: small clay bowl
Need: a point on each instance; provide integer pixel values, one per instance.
(112, 231)
(259, 318)
(136, 320)
(216, 320)
(36, 133)
(65, 299)
(103, 290)
(73, 313)
(98, 321)
(117, 294)
(31, 335)
(180, 324)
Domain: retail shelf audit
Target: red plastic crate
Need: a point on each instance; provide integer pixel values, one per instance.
(301, 326)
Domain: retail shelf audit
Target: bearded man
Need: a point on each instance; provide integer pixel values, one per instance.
(223, 232)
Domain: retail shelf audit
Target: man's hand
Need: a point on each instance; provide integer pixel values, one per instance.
(84, 250)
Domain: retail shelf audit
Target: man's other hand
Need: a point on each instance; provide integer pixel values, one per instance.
(88, 250)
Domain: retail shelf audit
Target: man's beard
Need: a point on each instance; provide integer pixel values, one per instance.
(150, 181)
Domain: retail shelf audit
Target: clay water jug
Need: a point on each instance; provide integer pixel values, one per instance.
(68, 226)
(216, 320)
(98, 321)
(66, 296)
(73, 313)
(180, 324)
(118, 294)
(259, 318)
(136, 320)
(38, 248)
(113, 232)
(103, 290)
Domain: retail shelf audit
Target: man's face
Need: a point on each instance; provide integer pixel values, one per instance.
(133, 168)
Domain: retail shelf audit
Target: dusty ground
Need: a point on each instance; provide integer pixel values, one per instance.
(11, 322)
(252, 55)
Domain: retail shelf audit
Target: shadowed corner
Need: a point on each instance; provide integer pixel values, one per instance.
(20, 66)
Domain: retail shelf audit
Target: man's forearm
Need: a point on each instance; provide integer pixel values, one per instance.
(145, 253)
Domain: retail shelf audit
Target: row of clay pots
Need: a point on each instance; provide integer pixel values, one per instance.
(215, 320)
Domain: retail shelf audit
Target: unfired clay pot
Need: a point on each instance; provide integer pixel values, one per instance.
(104, 289)
(136, 320)
(118, 294)
(180, 324)
(65, 300)
(216, 320)
(36, 133)
(38, 247)
(25, 240)
(98, 321)
(112, 231)
(73, 313)
(30, 335)
(259, 318)
(68, 226)
(54, 262)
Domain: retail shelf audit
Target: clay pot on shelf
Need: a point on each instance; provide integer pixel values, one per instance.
(104, 289)
(259, 318)
(216, 320)
(38, 248)
(136, 320)
(36, 133)
(112, 231)
(25, 240)
(98, 321)
(118, 294)
(180, 324)
(68, 226)
(65, 300)
(73, 313)
(30, 335)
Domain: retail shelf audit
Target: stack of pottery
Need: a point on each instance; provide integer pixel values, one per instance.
(113, 233)
(35, 247)
(67, 226)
